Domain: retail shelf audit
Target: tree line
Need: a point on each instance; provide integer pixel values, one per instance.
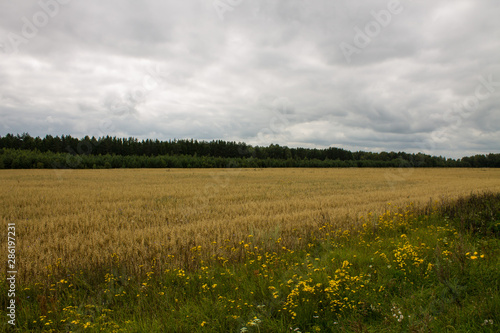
(25, 152)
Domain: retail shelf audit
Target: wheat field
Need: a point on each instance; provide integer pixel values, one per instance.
(85, 219)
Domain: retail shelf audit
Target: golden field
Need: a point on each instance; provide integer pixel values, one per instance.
(88, 218)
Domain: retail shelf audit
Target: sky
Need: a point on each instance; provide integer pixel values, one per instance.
(414, 76)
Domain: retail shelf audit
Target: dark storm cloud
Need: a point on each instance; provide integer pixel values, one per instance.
(377, 75)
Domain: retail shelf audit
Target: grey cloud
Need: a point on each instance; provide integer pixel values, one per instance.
(267, 72)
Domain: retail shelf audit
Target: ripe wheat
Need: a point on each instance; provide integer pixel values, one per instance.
(88, 218)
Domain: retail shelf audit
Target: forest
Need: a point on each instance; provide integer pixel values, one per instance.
(26, 152)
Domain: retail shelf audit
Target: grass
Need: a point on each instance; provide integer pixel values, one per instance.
(410, 268)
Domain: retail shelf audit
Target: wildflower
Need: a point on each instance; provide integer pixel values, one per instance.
(396, 313)
(203, 323)
(487, 322)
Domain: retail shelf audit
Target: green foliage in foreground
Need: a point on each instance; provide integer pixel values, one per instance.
(408, 270)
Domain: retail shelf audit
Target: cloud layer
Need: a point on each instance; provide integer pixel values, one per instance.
(361, 75)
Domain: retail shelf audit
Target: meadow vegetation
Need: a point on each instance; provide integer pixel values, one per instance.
(256, 250)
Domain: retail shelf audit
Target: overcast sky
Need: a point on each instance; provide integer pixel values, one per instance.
(362, 75)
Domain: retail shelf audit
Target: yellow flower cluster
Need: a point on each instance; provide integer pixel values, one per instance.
(406, 257)
(474, 256)
(336, 296)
